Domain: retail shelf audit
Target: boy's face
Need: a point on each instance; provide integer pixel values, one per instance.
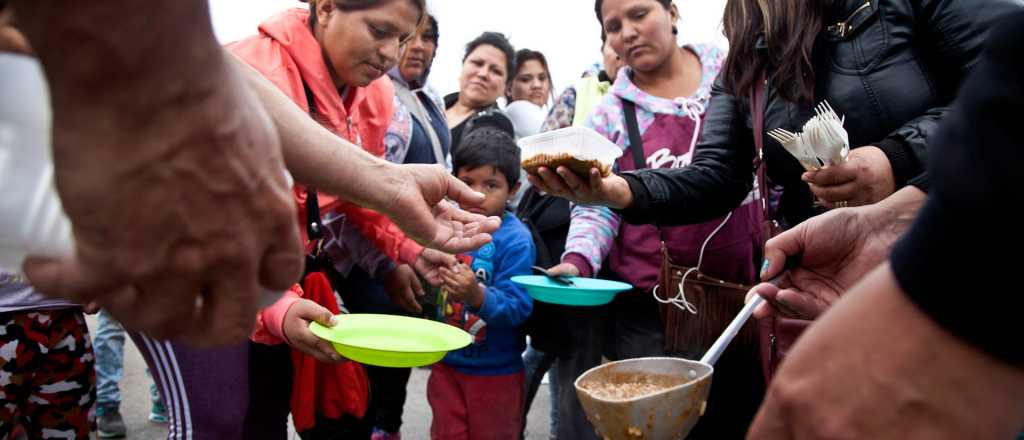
(488, 181)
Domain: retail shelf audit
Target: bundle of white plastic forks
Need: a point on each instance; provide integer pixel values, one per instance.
(823, 142)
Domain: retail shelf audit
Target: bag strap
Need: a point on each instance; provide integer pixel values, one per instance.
(757, 105)
(636, 142)
(412, 102)
(314, 222)
(636, 145)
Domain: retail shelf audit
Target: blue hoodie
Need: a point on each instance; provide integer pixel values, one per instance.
(498, 340)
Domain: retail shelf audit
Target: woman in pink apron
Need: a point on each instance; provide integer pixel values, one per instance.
(654, 113)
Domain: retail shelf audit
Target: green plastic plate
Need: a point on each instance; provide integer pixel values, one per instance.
(391, 341)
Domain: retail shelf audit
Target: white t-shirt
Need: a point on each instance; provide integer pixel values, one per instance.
(527, 117)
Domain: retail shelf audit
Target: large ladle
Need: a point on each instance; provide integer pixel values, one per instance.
(667, 414)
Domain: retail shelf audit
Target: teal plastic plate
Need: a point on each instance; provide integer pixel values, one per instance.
(586, 292)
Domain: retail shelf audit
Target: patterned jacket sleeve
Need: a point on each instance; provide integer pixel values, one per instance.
(592, 229)
(399, 134)
(384, 234)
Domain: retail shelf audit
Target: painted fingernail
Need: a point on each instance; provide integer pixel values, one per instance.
(764, 266)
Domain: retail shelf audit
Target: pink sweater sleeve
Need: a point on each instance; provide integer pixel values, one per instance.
(592, 229)
(269, 329)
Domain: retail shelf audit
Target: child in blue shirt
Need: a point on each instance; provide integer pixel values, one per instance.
(477, 392)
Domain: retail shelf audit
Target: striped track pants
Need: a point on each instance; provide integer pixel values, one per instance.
(235, 392)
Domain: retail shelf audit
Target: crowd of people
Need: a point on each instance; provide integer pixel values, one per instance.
(225, 197)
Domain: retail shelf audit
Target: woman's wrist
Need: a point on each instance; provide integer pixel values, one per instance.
(894, 215)
(581, 264)
(619, 194)
(387, 179)
(903, 204)
(475, 297)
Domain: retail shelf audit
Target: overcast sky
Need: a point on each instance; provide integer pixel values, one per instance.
(566, 31)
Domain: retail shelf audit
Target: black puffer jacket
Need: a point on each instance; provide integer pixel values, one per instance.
(890, 66)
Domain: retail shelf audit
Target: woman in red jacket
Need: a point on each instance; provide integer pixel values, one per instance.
(333, 59)
(330, 60)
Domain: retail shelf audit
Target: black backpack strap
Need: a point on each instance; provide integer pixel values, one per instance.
(314, 223)
(636, 143)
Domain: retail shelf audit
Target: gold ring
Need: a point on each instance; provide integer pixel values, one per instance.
(842, 204)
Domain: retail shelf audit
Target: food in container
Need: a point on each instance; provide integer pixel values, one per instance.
(632, 385)
(576, 148)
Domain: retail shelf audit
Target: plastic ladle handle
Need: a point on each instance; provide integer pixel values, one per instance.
(715, 352)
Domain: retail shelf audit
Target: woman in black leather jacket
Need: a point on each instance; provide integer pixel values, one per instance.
(891, 67)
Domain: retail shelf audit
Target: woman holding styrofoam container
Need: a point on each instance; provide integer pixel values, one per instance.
(663, 92)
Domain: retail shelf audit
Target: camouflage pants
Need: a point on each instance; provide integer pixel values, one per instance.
(47, 380)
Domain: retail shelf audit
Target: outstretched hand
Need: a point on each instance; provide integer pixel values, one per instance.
(425, 204)
(611, 191)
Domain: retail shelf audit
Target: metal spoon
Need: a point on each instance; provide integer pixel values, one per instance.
(560, 279)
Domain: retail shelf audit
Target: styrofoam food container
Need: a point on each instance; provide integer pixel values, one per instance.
(580, 142)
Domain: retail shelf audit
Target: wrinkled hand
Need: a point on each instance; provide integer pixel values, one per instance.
(460, 282)
(566, 269)
(297, 333)
(418, 206)
(836, 249)
(611, 191)
(865, 178)
(182, 216)
(430, 262)
(403, 287)
(875, 367)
